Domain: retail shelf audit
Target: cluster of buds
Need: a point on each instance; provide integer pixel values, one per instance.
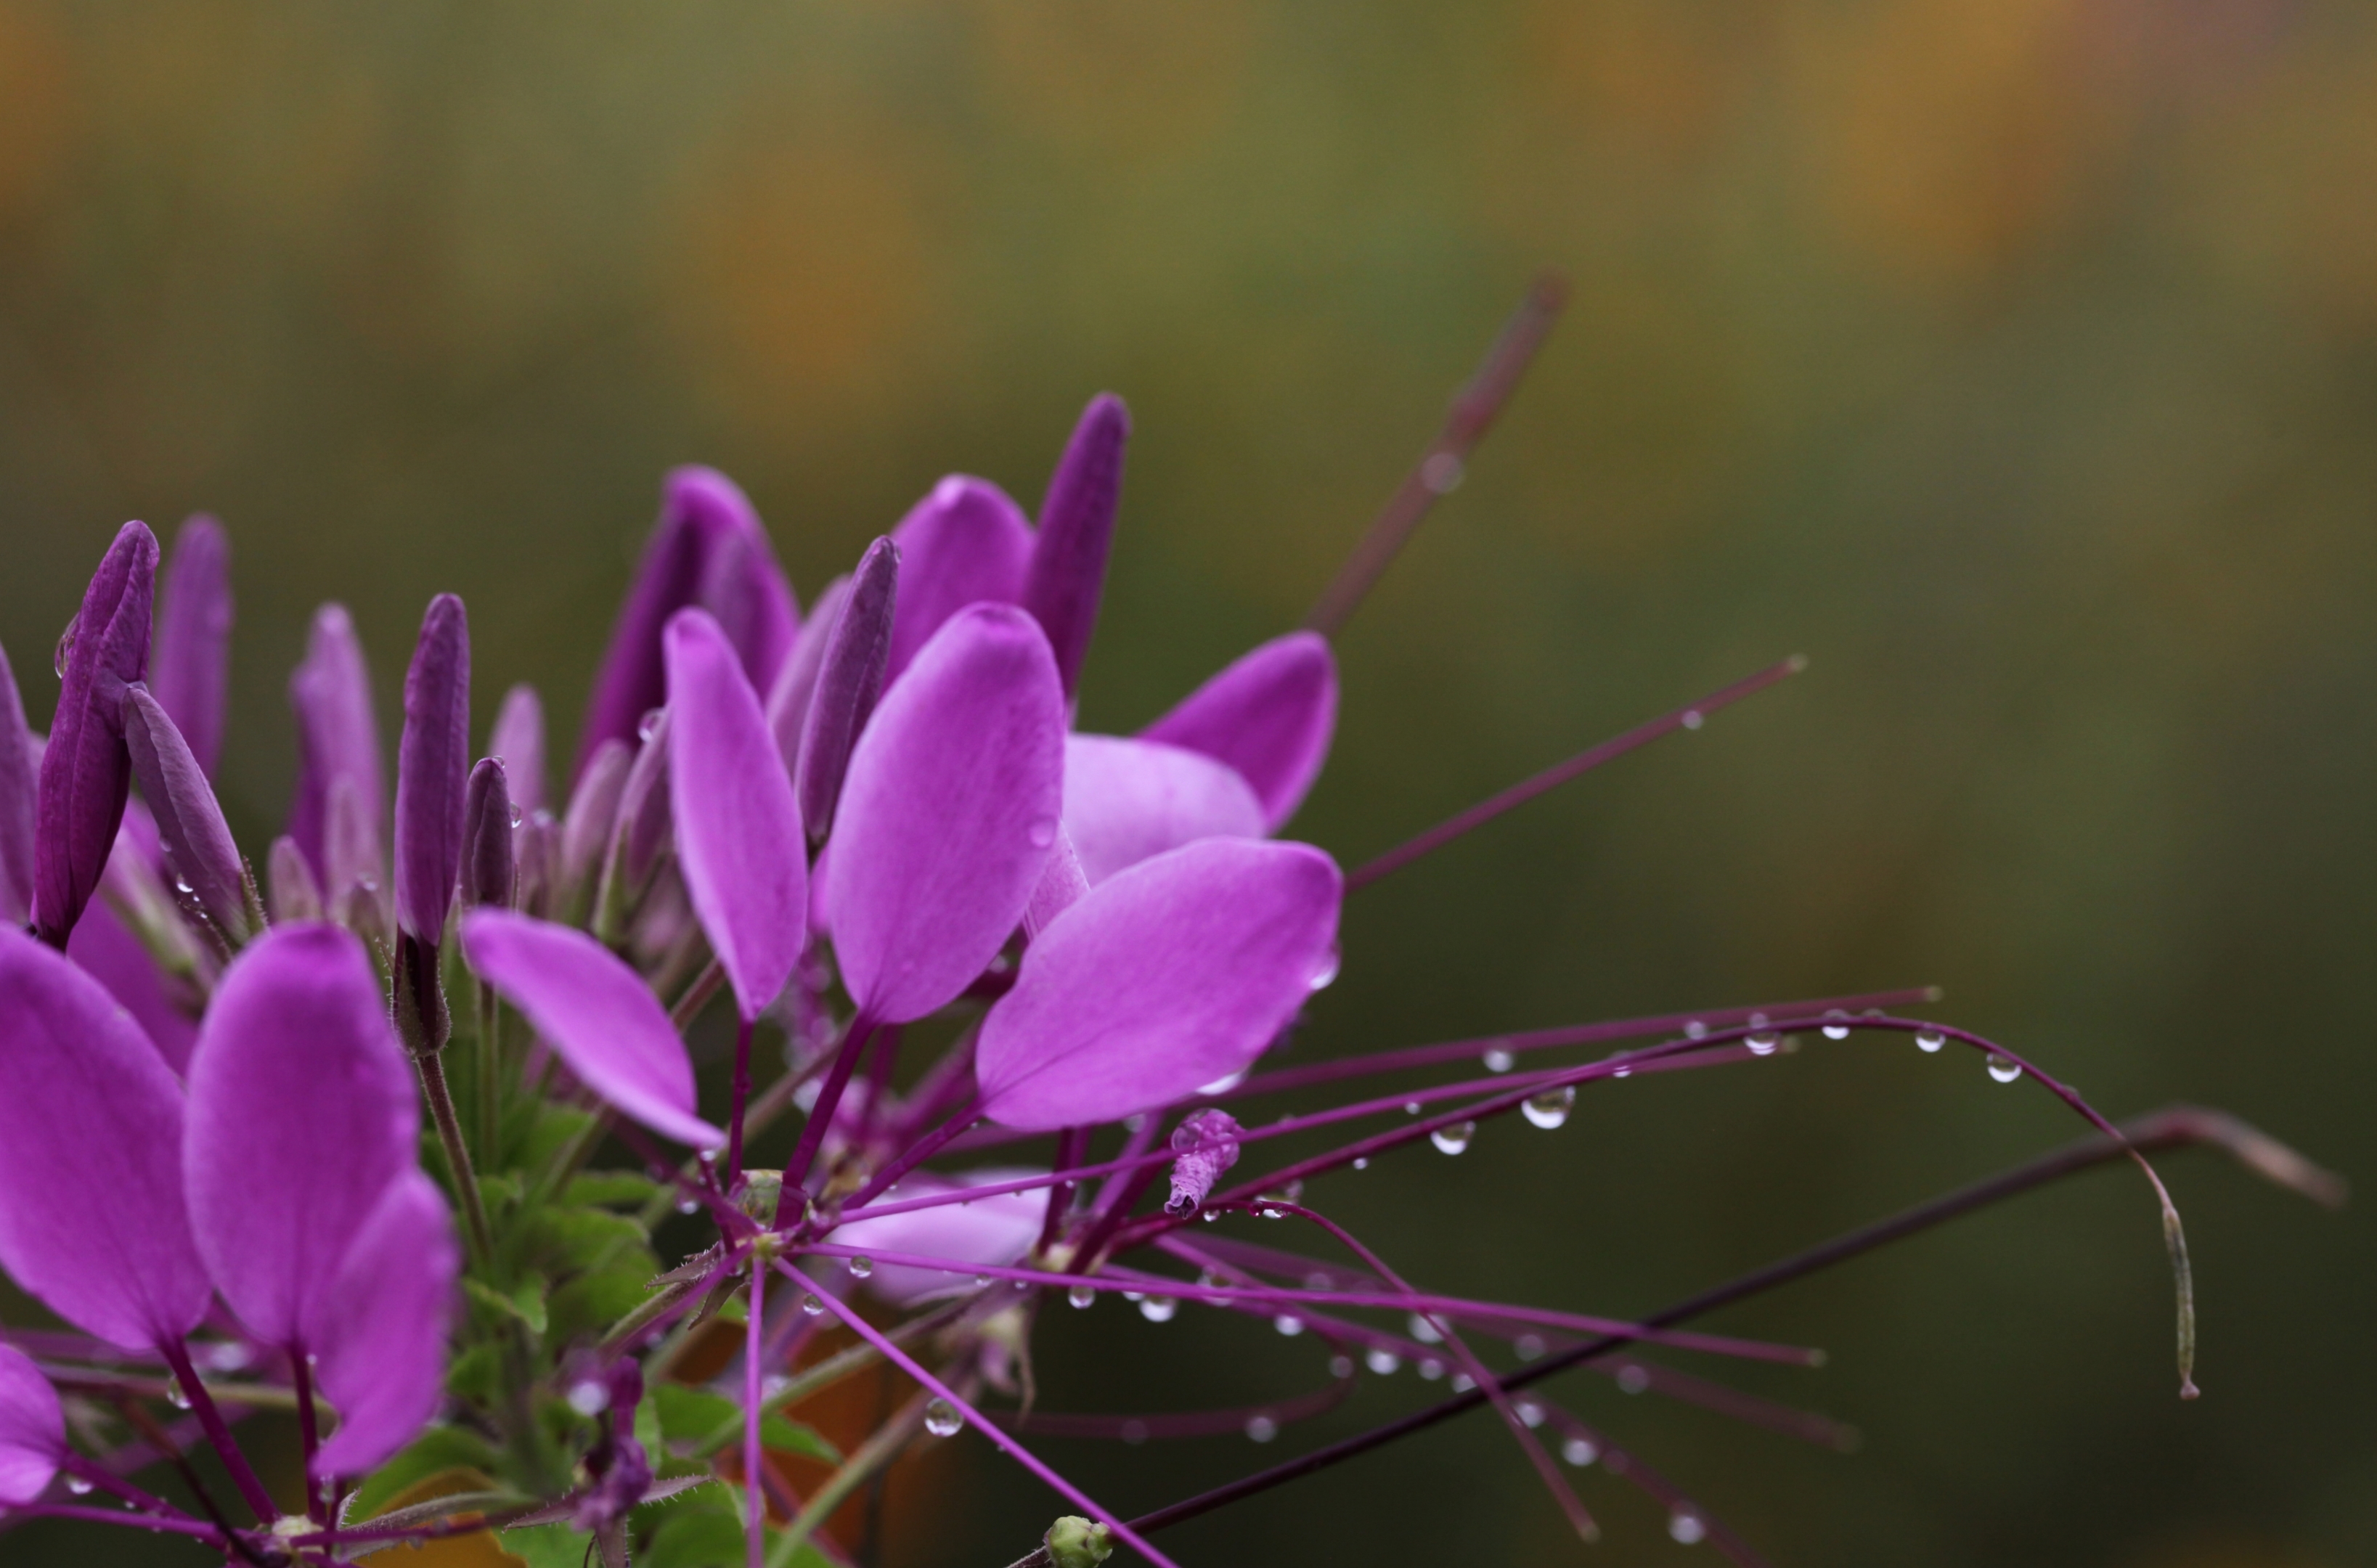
(838, 825)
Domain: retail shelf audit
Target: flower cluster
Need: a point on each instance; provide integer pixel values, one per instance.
(850, 821)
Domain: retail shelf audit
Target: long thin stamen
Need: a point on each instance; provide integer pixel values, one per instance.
(1473, 413)
(742, 1098)
(202, 1406)
(796, 1169)
(1583, 762)
(755, 1528)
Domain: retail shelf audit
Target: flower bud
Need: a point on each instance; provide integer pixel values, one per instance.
(849, 680)
(338, 737)
(1074, 1542)
(518, 741)
(433, 762)
(196, 840)
(1207, 1144)
(1077, 519)
(295, 894)
(490, 872)
(586, 827)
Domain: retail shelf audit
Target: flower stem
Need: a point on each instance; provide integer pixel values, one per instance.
(457, 1157)
(202, 1405)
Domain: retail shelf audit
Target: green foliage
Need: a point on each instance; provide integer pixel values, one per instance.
(439, 1448)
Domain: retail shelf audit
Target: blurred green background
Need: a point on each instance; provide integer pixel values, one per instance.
(2016, 360)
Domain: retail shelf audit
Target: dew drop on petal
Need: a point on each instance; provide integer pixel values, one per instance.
(1223, 1085)
(1430, 1368)
(1687, 1528)
(1834, 1031)
(1550, 1108)
(1326, 975)
(1499, 1060)
(1383, 1362)
(1423, 1331)
(941, 1418)
(1452, 1140)
(1695, 1030)
(811, 1305)
(647, 726)
(2005, 1070)
(1764, 1045)
(1262, 1429)
(1083, 1296)
(1929, 1039)
(1042, 832)
(1288, 1323)
(861, 1267)
(1158, 1309)
(1580, 1452)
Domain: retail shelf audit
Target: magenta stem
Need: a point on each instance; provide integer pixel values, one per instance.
(109, 1516)
(210, 1421)
(796, 1169)
(755, 1527)
(300, 1377)
(922, 1150)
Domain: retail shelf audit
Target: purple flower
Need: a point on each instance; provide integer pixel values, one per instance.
(963, 544)
(1268, 716)
(191, 672)
(990, 1231)
(195, 840)
(708, 550)
(850, 678)
(517, 742)
(86, 771)
(1126, 801)
(32, 1428)
(489, 868)
(1206, 1143)
(788, 700)
(433, 765)
(20, 764)
(338, 738)
(380, 1328)
(1068, 573)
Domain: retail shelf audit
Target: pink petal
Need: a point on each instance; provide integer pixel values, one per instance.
(1126, 801)
(1067, 575)
(1270, 715)
(382, 1332)
(338, 735)
(947, 814)
(986, 1232)
(596, 1014)
(33, 1428)
(91, 1215)
(738, 828)
(115, 958)
(1176, 973)
(964, 543)
(517, 742)
(302, 1111)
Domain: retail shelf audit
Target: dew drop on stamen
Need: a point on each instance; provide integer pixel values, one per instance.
(1158, 1309)
(1082, 1296)
(649, 724)
(1694, 718)
(1633, 1380)
(1411, 1107)
(1262, 1429)
(1528, 1345)
(689, 1205)
(1361, 1162)
(1134, 1432)
(811, 1305)
(1496, 1059)
(1530, 1412)
(1269, 1213)
(1462, 1382)
(1442, 473)
(1580, 1452)
(1695, 1030)
(1210, 1216)
(589, 1397)
(77, 1486)
(861, 1267)
(1834, 1031)
(1288, 1325)
(1687, 1529)
(941, 1418)
(1430, 1368)
(1929, 1039)
(1452, 1140)
(1423, 1331)
(1383, 1362)
(1341, 1367)
(1550, 1108)
(1764, 1045)
(2005, 1070)
(981, 1282)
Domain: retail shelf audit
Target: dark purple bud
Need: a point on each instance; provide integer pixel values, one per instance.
(489, 872)
(190, 828)
(1077, 519)
(518, 741)
(642, 832)
(86, 771)
(433, 771)
(338, 735)
(1206, 1144)
(849, 679)
(536, 859)
(190, 672)
(788, 703)
(586, 828)
(352, 880)
(19, 790)
(295, 894)
(708, 549)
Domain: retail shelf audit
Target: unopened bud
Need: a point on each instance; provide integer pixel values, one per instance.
(1074, 1542)
(489, 872)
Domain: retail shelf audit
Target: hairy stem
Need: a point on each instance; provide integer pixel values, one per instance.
(458, 1156)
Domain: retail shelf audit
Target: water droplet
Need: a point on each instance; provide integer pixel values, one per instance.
(1326, 975)
(1550, 1108)
(182, 886)
(1430, 1368)
(1694, 718)
(1441, 472)
(1288, 1323)
(1082, 1296)
(1341, 1367)
(1411, 1107)
(1262, 1429)
(1622, 1072)
(1530, 1412)
(2004, 1068)
(1383, 1362)
(811, 1305)
(1835, 1031)
(648, 725)
(1158, 1309)
(228, 1357)
(1266, 1212)
(77, 1486)
(176, 1397)
(1423, 1331)
(1528, 1345)
(1462, 1382)
(981, 1282)
(1633, 1380)
(861, 1267)
(1695, 1030)
(941, 1418)
(1134, 1431)
(1223, 1085)
(1764, 1045)
(589, 1397)
(1499, 1060)
(1042, 832)
(1580, 1451)
(1687, 1528)
(1361, 1162)
(1929, 1039)
(689, 1205)
(518, 815)
(1210, 1216)
(1134, 1121)
(1453, 1139)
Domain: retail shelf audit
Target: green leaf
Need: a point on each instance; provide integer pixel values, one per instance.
(474, 1374)
(688, 1415)
(525, 1304)
(439, 1448)
(549, 1546)
(573, 1240)
(706, 1536)
(610, 1189)
(592, 1302)
(546, 1136)
(788, 1436)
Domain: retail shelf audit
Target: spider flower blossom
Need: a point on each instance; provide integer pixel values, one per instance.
(872, 818)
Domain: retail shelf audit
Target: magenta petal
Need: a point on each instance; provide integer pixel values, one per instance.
(849, 679)
(593, 811)
(20, 793)
(947, 814)
(1173, 974)
(302, 1112)
(963, 544)
(338, 735)
(596, 1014)
(86, 771)
(1068, 560)
(195, 840)
(33, 1428)
(189, 668)
(1126, 801)
(738, 830)
(706, 549)
(984, 1232)
(91, 1216)
(433, 772)
(1270, 715)
(490, 864)
(382, 1327)
(796, 687)
(517, 742)
(111, 955)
